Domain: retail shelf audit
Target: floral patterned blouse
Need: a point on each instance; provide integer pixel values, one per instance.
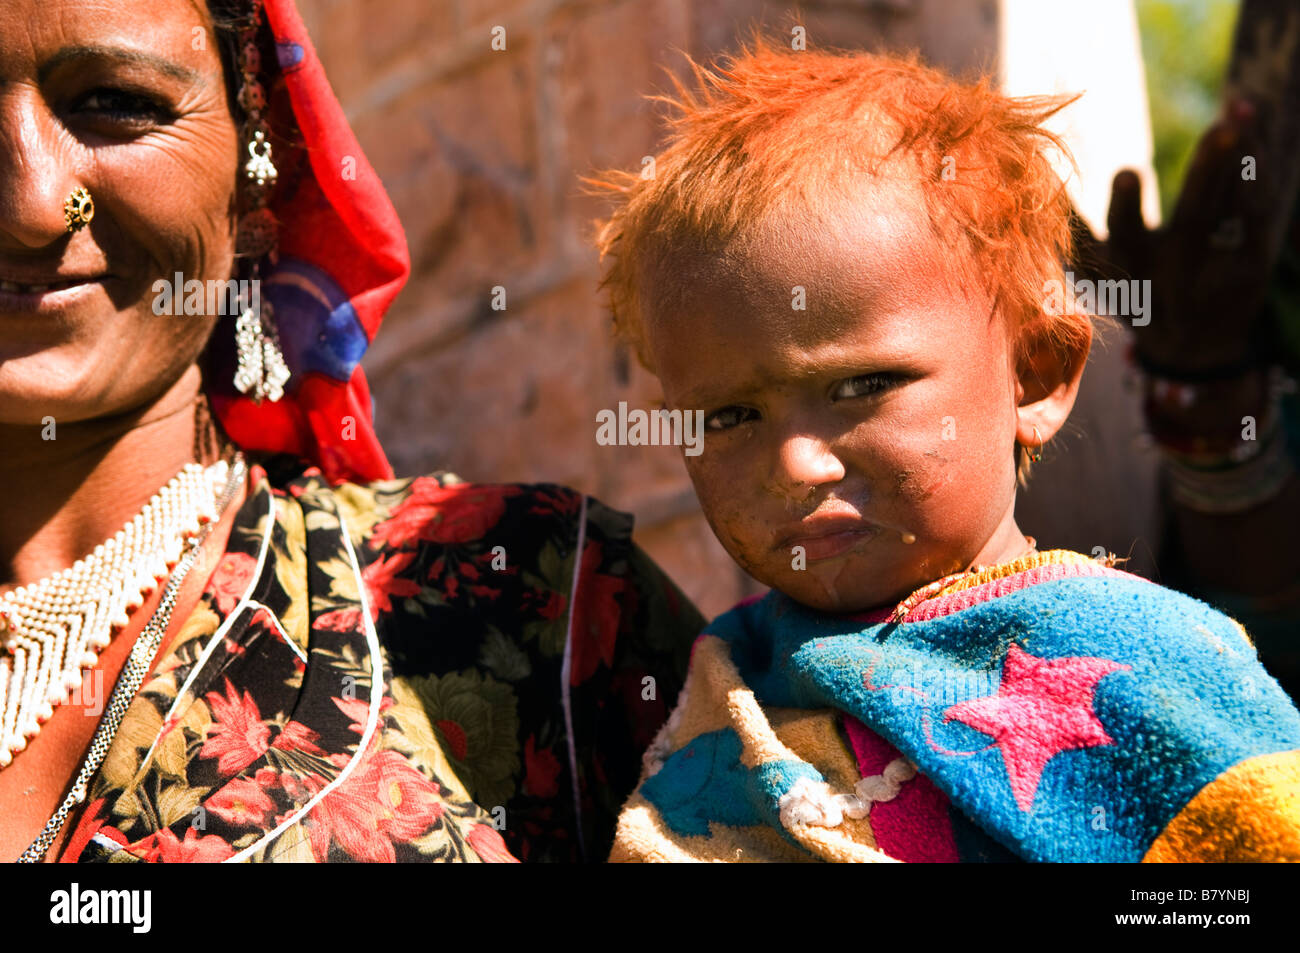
(408, 670)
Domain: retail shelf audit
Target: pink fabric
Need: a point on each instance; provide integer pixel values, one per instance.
(872, 616)
(1042, 707)
(946, 605)
(914, 826)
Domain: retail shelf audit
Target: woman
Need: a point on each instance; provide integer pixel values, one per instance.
(286, 654)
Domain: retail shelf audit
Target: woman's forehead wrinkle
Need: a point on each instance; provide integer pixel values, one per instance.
(111, 30)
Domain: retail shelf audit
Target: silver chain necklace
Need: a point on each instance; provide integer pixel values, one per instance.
(134, 671)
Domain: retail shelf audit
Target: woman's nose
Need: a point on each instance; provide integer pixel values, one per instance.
(805, 462)
(35, 176)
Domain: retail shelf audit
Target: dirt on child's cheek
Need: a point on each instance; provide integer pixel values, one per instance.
(737, 527)
(917, 484)
(738, 510)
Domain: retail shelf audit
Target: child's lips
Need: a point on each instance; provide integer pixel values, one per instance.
(827, 537)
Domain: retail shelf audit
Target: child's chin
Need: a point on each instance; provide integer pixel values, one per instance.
(831, 596)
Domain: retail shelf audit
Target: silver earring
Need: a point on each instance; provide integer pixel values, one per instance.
(261, 372)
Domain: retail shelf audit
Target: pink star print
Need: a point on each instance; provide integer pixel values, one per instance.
(1043, 707)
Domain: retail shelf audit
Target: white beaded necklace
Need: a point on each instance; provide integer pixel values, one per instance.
(51, 631)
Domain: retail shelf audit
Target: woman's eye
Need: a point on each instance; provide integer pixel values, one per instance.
(729, 417)
(863, 386)
(120, 107)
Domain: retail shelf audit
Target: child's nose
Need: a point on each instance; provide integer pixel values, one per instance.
(806, 462)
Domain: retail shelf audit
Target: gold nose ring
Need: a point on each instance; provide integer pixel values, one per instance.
(78, 210)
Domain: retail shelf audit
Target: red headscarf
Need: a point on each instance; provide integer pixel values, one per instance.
(342, 258)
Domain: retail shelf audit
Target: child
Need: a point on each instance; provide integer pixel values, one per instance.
(844, 261)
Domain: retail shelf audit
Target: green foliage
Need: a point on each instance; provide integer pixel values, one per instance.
(1185, 47)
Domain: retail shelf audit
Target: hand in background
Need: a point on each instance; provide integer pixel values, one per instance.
(1209, 265)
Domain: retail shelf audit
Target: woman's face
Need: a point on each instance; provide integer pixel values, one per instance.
(125, 98)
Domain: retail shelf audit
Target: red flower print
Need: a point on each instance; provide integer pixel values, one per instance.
(194, 849)
(380, 582)
(358, 709)
(455, 736)
(167, 726)
(263, 617)
(295, 736)
(554, 606)
(469, 512)
(112, 833)
(267, 778)
(565, 501)
(443, 514)
(541, 771)
(230, 579)
(595, 617)
(383, 802)
(163, 847)
(296, 789)
(340, 620)
(237, 736)
(240, 803)
(489, 846)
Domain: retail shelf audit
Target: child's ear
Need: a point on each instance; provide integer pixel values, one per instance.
(1047, 381)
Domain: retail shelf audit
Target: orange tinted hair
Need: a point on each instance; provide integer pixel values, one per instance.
(770, 127)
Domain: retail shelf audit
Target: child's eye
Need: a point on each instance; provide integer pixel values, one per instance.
(122, 109)
(729, 417)
(863, 386)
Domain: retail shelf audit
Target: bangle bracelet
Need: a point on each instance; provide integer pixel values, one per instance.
(1232, 448)
(1165, 372)
(1234, 488)
(1213, 423)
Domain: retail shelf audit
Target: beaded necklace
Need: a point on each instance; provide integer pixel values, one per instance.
(54, 629)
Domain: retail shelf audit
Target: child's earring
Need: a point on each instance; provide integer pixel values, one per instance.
(1036, 455)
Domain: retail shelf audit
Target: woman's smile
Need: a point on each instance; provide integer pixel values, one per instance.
(49, 296)
(140, 123)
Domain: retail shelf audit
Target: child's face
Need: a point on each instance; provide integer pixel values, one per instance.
(875, 430)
